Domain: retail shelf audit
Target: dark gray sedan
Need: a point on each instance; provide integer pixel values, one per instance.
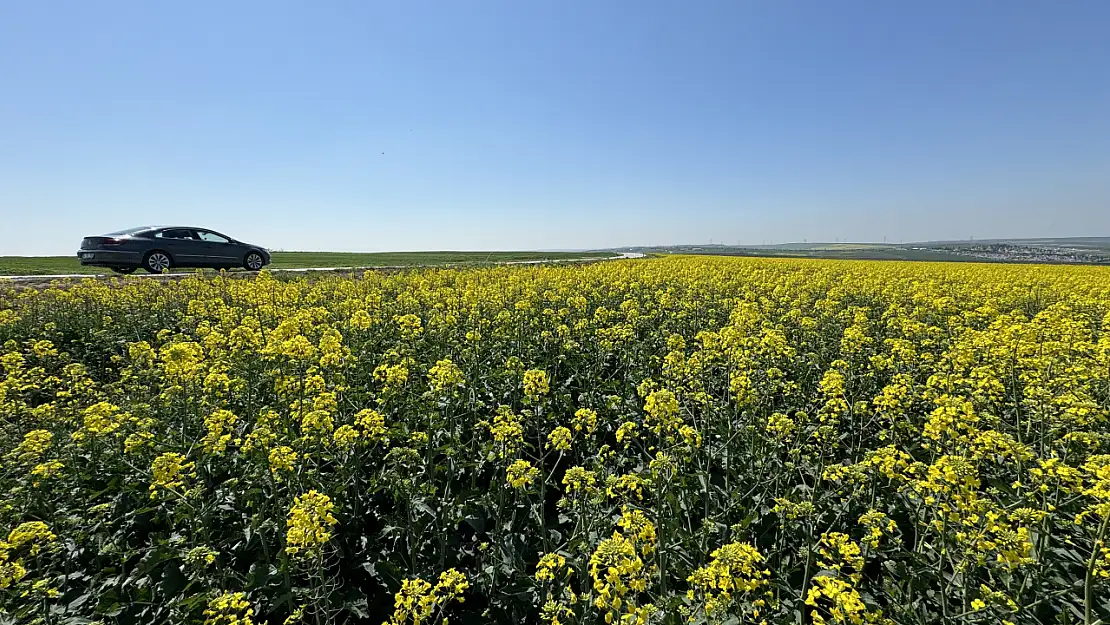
(160, 248)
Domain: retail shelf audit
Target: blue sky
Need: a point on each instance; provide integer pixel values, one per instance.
(550, 125)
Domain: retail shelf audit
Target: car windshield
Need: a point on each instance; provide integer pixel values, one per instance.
(128, 231)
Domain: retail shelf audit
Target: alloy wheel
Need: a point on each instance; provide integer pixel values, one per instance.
(158, 262)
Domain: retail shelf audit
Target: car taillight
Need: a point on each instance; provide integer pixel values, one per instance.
(111, 242)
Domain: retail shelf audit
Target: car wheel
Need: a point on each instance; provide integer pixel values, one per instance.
(157, 262)
(253, 261)
(124, 270)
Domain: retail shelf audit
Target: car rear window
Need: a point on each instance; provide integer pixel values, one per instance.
(128, 231)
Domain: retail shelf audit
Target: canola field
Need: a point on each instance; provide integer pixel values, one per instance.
(681, 440)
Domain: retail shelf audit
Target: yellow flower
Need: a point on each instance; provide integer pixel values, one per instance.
(219, 426)
(361, 320)
(445, 376)
(839, 553)
(332, 351)
(137, 441)
(11, 572)
(725, 585)
(201, 556)
(46, 470)
(170, 470)
(282, 459)
(548, 566)
(536, 385)
(878, 525)
(793, 511)
(690, 435)
(662, 466)
(310, 518)
(626, 487)
(229, 608)
(371, 423)
(521, 474)
(298, 348)
(618, 574)
(263, 435)
(34, 533)
(345, 436)
(181, 361)
(839, 599)
(43, 349)
(637, 528)
(32, 447)
(392, 376)
(662, 409)
(627, 430)
(780, 426)
(317, 423)
(295, 616)
(507, 431)
(579, 480)
(559, 439)
(585, 420)
(409, 326)
(41, 589)
(553, 613)
(103, 418)
(418, 600)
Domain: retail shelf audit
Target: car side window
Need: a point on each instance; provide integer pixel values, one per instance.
(212, 237)
(175, 234)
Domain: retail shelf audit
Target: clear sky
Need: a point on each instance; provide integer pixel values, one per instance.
(502, 124)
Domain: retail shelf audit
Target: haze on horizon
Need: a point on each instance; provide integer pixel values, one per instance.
(368, 126)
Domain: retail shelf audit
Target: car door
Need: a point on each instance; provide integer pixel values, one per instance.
(219, 251)
(181, 243)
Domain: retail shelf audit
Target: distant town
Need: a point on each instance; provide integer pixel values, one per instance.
(1028, 253)
(1071, 250)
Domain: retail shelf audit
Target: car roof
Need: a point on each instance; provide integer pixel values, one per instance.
(143, 229)
(138, 229)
